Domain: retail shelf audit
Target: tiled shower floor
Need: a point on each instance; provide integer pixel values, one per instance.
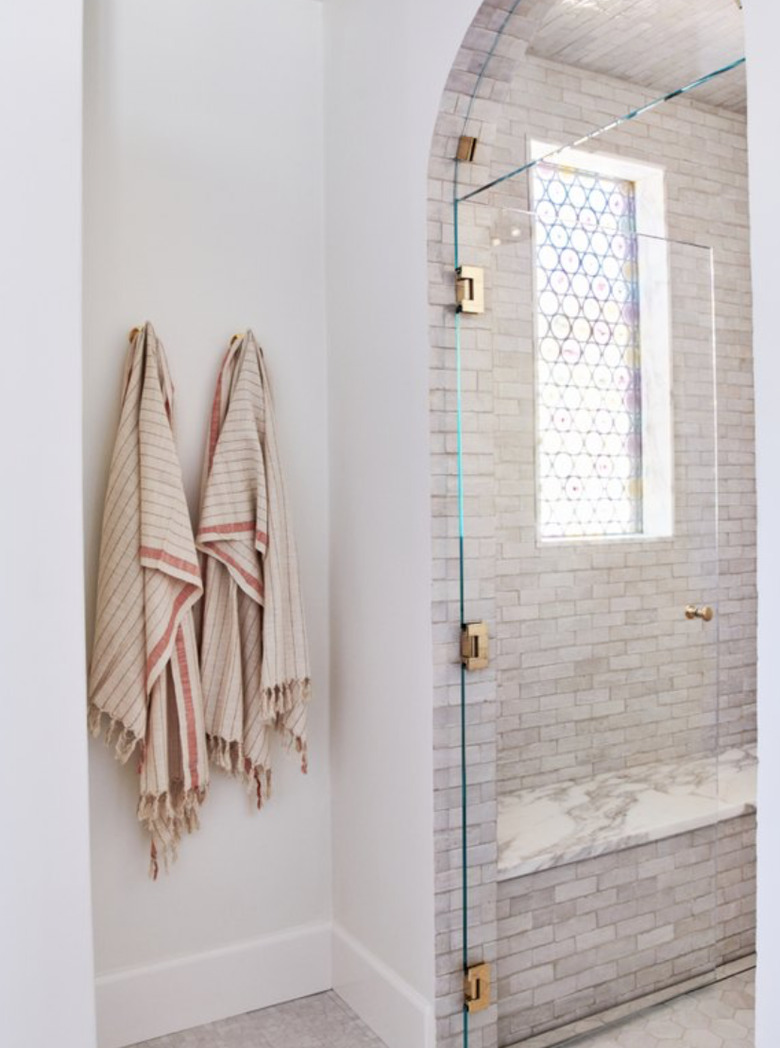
(719, 1016)
(321, 1021)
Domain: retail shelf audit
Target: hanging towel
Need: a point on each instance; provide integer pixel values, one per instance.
(144, 684)
(254, 654)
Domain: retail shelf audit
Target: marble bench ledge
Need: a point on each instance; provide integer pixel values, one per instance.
(555, 825)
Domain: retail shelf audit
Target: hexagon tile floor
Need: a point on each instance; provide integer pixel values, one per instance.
(719, 1016)
(321, 1021)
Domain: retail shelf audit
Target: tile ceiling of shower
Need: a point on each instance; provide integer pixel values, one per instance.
(660, 44)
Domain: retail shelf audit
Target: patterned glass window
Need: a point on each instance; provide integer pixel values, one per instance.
(588, 373)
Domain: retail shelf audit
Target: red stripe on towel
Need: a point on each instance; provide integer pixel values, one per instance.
(255, 583)
(192, 739)
(228, 529)
(166, 558)
(162, 643)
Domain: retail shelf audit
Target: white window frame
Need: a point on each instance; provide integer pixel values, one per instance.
(654, 330)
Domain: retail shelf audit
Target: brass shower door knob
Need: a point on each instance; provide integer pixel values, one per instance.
(705, 612)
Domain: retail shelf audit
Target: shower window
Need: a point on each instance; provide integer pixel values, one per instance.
(602, 371)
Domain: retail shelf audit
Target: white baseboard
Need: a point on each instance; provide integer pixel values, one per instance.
(138, 1004)
(396, 1012)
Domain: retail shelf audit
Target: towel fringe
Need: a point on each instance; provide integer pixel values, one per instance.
(114, 732)
(230, 757)
(276, 704)
(287, 697)
(282, 698)
(294, 743)
(167, 817)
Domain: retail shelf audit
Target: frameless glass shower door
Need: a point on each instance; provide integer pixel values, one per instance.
(605, 736)
(590, 557)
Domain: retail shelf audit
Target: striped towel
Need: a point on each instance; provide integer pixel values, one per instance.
(254, 655)
(144, 684)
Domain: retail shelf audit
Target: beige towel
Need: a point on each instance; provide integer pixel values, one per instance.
(254, 656)
(144, 676)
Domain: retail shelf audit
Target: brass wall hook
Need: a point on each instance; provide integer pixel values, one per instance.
(133, 332)
(238, 335)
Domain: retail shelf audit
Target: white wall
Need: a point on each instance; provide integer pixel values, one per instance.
(204, 214)
(203, 183)
(762, 19)
(45, 924)
(386, 65)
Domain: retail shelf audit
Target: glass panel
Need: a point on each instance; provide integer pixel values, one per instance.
(635, 54)
(588, 516)
(606, 695)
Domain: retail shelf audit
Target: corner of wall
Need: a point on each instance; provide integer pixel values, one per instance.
(393, 1009)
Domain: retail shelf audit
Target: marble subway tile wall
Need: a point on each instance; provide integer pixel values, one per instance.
(703, 149)
(585, 937)
(597, 668)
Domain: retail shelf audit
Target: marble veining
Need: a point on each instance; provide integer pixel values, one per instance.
(558, 824)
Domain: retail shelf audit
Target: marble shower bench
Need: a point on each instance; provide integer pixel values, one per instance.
(554, 825)
(622, 887)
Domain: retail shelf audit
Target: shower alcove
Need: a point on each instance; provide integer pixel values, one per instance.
(593, 505)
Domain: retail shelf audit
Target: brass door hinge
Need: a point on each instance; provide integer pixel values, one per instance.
(470, 289)
(477, 987)
(467, 147)
(474, 645)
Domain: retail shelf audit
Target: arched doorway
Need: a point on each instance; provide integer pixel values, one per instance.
(591, 666)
